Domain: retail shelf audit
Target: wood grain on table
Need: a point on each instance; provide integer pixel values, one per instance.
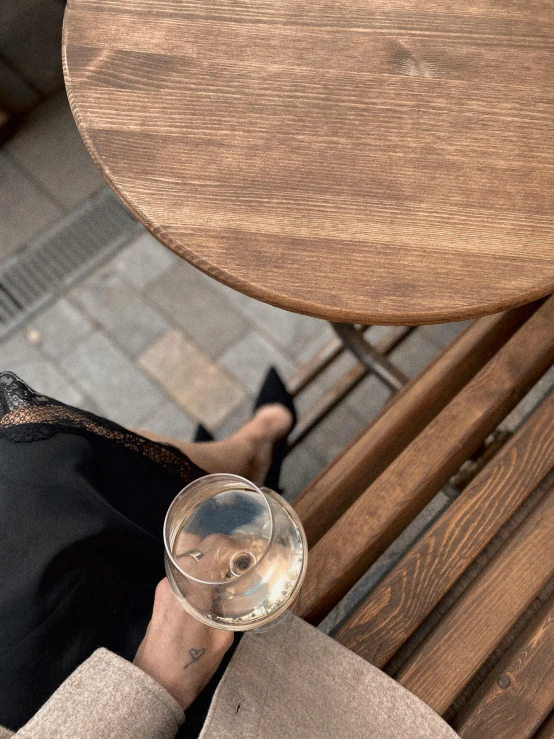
(371, 161)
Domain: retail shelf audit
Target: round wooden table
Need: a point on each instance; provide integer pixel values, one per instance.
(368, 161)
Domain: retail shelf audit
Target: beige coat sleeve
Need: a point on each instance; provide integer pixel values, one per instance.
(292, 681)
(105, 698)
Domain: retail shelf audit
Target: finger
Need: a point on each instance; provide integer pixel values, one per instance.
(163, 593)
(185, 542)
(211, 564)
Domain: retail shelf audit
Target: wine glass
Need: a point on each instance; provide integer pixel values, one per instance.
(235, 554)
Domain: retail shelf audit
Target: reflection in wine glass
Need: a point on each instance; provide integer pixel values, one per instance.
(236, 554)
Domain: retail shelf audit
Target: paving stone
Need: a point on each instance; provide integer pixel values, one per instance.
(25, 360)
(324, 335)
(300, 467)
(207, 318)
(243, 303)
(190, 377)
(385, 563)
(374, 334)
(249, 360)
(123, 312)
(329, 377)
(169, 420)
(16, 350)
(59, 329)
(335, 432)
(122, 392)
(293, 332)
(50, 148)
(442, 334)
(144, 260)
(299, 335)
(17, 95)
(528, 404)
(30, 38)
(414, 354)
(24, 209)
(234, 420)
(368, 398)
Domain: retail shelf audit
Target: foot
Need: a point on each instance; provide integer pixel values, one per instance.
(268, 425)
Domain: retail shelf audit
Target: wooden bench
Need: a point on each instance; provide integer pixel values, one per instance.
(465, 618)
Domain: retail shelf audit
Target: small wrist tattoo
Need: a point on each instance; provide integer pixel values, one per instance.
(195, 655)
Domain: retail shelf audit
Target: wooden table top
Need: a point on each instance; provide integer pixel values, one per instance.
(376, 161)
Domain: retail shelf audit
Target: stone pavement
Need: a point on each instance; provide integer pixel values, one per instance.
(45, 171)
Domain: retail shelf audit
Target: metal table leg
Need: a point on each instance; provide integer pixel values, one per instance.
(385, 370)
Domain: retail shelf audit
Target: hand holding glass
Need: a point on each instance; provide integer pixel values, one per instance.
(236, 554)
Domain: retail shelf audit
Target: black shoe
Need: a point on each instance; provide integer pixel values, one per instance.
(273, 390)
(202, 434)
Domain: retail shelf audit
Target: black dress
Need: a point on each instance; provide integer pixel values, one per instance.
(82, 504)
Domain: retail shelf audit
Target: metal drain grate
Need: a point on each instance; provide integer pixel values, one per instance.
(62, 255)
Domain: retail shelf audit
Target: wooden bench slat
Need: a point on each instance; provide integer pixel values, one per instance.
(440, 668)
(519, 694)
(362, 533)
(399, 604)
(547, 729)
(322, 502)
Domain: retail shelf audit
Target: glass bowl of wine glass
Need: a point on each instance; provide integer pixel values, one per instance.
(235, 554)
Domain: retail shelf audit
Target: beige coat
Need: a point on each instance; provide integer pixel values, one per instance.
(290, 682)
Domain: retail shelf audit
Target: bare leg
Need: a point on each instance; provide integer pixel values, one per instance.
(247, 452)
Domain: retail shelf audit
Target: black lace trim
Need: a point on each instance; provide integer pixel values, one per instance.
(26, 416)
